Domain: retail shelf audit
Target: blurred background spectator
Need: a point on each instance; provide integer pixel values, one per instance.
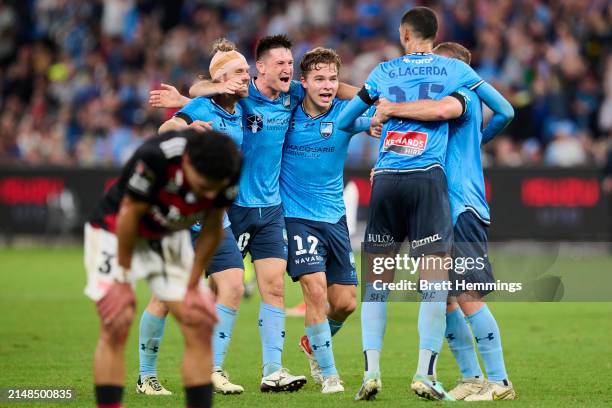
(75, 75)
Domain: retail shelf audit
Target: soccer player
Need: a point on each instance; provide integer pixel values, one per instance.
(226, 269)
(409, 193)
(470, 214)
(311, 185)
(140, 231)
(257, 216)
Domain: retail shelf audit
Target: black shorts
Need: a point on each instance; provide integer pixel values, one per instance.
(409, 206)
(259, 231)
(470, 254)
(316, 246)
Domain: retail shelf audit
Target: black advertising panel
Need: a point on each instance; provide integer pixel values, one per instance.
(539, 204)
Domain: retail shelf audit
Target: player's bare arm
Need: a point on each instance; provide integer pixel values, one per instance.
(175, 124)
(425, 110)
(206, 87)
(346, 91)
(208, 241)
(120, 295)
(199, 301)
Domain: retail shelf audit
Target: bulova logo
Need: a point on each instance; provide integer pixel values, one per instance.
(382, 239)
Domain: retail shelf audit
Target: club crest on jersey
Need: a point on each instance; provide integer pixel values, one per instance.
(255, 123)
(287, 102)
(326, 129)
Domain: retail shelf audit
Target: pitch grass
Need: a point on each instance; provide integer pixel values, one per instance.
(557, 354)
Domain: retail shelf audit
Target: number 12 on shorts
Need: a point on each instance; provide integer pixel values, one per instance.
(313, 241)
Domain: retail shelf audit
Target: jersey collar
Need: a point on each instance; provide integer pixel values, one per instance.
(320, 115)
(262, 96)
(223, 109)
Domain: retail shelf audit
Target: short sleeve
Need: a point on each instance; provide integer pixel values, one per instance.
(297, 90)
(372, 85)
(192, 111)
(466, 76)
(144, 174)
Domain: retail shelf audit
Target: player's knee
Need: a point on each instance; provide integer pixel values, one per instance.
(233, 292)
(315, 293)
(157, 308)
(343, 306)
(115, 333)
(198, 335)
(274, 288)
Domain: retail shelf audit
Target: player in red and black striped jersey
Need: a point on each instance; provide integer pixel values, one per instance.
(156, 175)
(140, 230)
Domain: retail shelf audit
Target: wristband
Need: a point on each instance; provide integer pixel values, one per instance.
(123, 275)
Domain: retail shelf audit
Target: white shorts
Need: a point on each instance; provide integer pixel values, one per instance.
(165, 263)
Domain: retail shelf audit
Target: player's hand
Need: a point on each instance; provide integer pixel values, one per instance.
(230, 87)
(376, 127)
(167, 97)
(383, 110)
(201, 126)
(199, 307)
(117, 298)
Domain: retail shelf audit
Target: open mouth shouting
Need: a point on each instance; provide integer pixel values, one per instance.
(326, 97)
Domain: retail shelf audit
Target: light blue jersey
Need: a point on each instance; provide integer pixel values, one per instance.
(311, 178)
(206, 109)
(407, 144)
(466, 187)
(265, 123)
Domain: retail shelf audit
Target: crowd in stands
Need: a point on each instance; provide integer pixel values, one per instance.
(75, 75)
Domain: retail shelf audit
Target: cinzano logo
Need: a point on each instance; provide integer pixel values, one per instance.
(427, 240)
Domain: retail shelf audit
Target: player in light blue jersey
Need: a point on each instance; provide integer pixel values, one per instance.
(257, 216)
(226, 270)
(311, 187)
(409, 193)
(470, 214)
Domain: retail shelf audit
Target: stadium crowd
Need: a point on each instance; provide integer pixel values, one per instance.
(75, 76)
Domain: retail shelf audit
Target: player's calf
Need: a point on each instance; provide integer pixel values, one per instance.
(109, 365)
(318, 331)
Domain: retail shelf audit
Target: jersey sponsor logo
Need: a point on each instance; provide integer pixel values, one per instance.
(255, 123)
(141, 180)
(418, 61)
(409, 143)
(380, 238)
(326, 129)
(173, 147)
(427, 240)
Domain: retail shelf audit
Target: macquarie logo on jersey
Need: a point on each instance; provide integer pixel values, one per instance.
(406, 143)
(255, 123)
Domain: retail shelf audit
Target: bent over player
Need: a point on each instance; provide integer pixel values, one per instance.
(226, 268)
(140, 230)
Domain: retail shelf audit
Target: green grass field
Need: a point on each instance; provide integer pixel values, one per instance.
(557, 354)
